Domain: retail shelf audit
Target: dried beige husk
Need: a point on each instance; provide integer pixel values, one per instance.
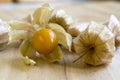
(95, 45)
(19, 25)
(19, 30)
(56, 55)
(64, 38)
(114, 26)
(42, 15)
(61, 18)
(76, 28)
(3, 34)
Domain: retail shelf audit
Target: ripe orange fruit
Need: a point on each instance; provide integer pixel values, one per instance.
(44, 41)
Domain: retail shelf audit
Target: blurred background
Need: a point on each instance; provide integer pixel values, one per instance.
(84, 10)
(28, 1)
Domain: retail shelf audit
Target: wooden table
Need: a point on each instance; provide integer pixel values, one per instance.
(13, 68)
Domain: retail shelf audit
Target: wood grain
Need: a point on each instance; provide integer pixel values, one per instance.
(13, 68)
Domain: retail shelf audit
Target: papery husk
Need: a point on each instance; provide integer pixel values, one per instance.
(25, 49)
(114, 25)
(3, 34)
(61, 18)
(64, 38)
(28, 18)
(20, 25)
(95, 45)
(42, 15)
(20, 30)
(76, 28)
(55, 55)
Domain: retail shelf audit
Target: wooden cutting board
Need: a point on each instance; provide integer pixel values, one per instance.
(13, 68)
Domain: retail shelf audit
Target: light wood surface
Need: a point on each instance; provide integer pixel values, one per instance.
(13, 68)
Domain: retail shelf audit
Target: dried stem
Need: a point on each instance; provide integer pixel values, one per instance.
(90, 48)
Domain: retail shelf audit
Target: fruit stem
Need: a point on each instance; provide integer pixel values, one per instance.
(90, 48)
(78, 58)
